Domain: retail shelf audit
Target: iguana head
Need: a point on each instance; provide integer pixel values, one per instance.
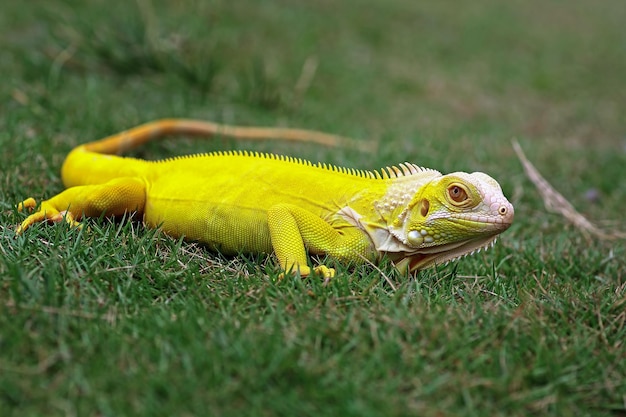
(450, 216)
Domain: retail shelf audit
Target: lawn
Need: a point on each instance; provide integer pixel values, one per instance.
(119, 320)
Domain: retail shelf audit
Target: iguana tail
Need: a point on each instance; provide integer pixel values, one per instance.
(132, 138)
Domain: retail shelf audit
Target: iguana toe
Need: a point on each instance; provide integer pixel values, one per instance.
(28, 204)
(324, 271)
(305, 272)
(45, 213)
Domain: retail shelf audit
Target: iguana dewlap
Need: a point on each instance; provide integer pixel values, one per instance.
(256, 202)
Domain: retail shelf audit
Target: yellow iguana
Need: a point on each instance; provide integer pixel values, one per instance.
(240, 201)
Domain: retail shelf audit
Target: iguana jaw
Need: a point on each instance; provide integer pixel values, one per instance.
(406, 257)
(428, 257)
(448, 236)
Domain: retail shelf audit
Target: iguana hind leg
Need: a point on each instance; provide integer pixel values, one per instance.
(112, 198)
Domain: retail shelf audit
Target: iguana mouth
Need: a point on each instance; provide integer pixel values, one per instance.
(426, 257)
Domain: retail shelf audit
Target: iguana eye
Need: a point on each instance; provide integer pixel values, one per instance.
(457, 194)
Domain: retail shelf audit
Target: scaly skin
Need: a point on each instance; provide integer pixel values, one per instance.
(250, 202)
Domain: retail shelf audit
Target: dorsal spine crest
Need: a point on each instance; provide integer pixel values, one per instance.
(403, 169)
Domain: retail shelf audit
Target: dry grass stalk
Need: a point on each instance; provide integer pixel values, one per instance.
(556, 203)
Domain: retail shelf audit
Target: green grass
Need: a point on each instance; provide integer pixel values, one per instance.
(119, 320)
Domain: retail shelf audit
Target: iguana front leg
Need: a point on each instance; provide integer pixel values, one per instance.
(112, 198)
(293, 230)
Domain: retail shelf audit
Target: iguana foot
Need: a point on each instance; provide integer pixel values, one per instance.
(305, 271)
(45, 213)
(324, 271)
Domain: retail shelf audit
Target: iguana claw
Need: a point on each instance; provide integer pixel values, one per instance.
(324, 271)
(28, 204)
(45, 213)
(305, 271)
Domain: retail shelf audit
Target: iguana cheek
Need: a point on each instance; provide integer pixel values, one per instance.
(419, 237)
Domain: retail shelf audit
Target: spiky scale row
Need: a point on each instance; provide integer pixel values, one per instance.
(403, 169)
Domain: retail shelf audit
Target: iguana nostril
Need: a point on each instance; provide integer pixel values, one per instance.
(507, 213)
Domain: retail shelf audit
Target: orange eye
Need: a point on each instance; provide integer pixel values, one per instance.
(457, 194)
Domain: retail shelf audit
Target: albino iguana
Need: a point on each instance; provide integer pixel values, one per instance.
(240, 201)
